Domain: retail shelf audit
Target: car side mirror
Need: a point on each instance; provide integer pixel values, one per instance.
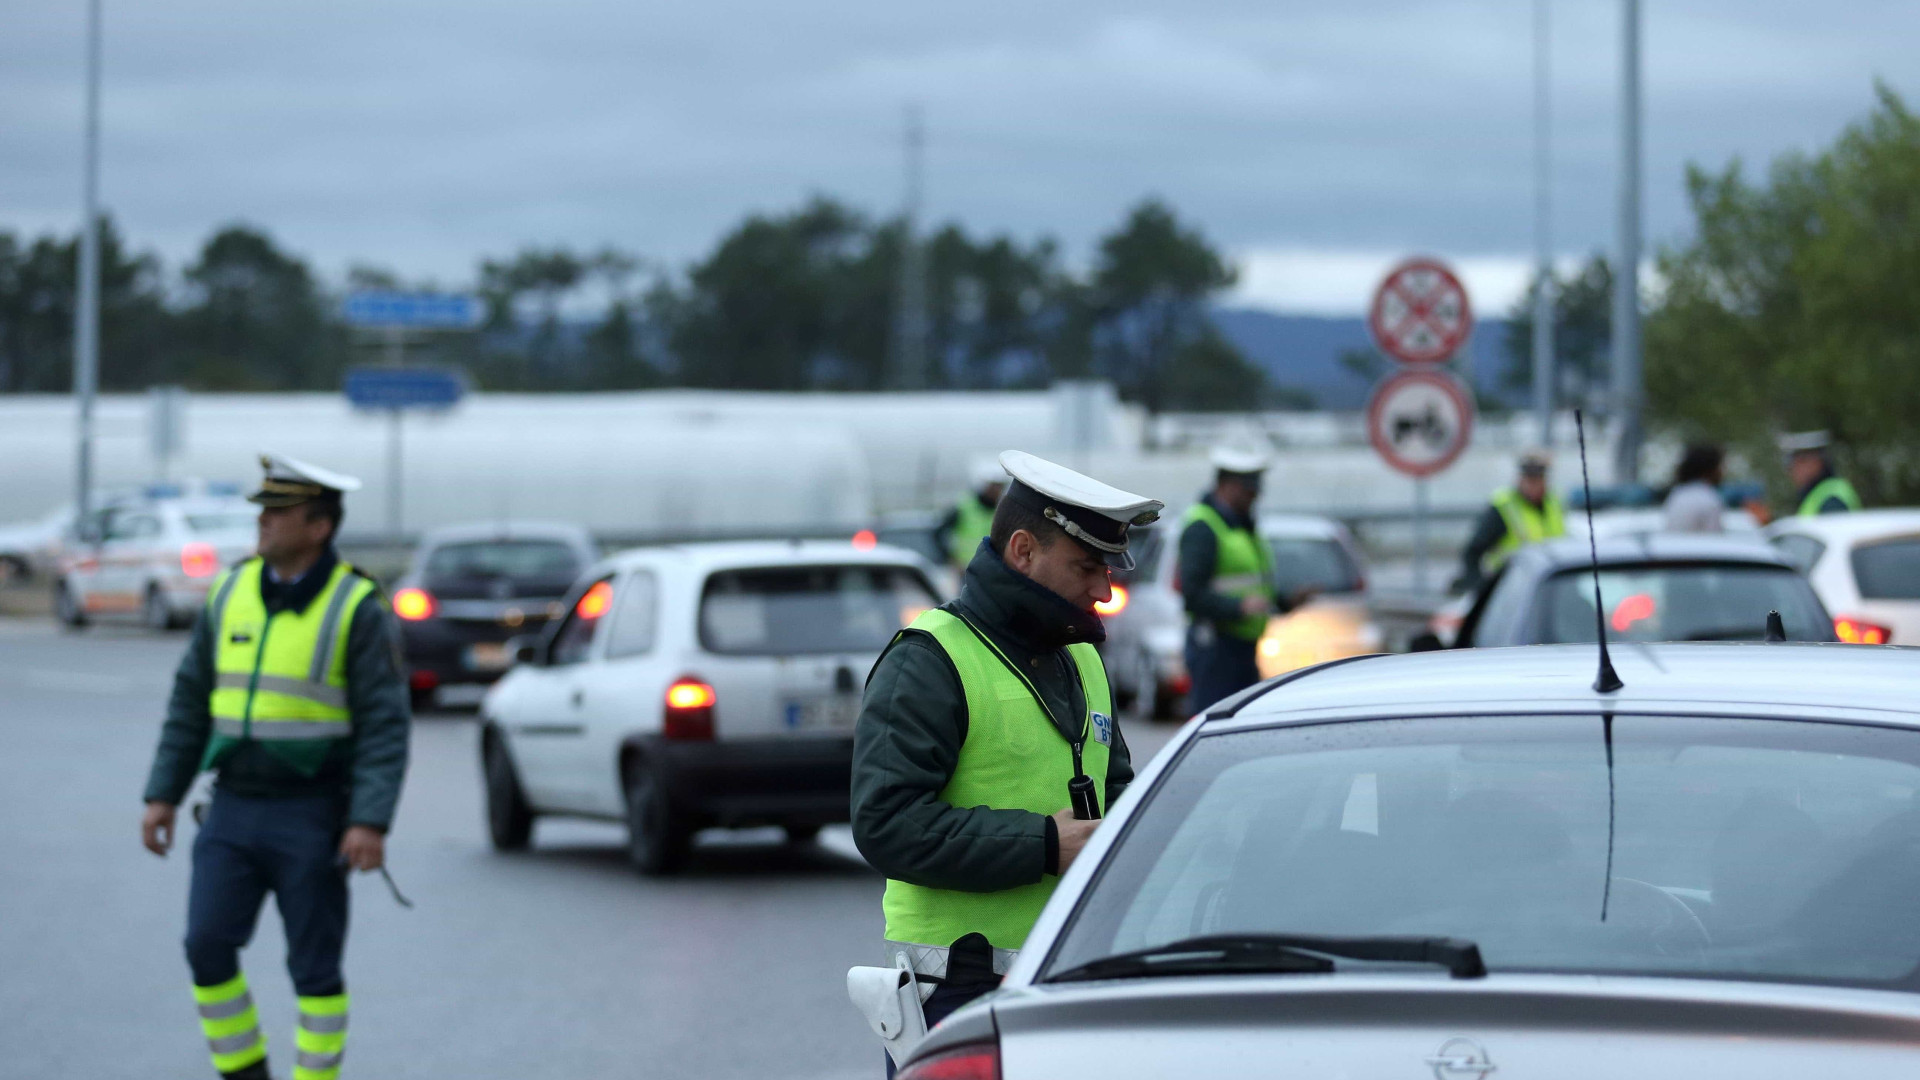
(524, 649)
(1427, 641)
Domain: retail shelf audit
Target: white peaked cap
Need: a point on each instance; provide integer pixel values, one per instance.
(1238, 459)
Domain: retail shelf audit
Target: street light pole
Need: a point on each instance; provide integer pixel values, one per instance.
(910, 321)
(1628, 393)
(86, 309)
(1544, 370)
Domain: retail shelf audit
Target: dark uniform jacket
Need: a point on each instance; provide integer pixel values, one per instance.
(365, 769)
(1199, 561)
(915, 718)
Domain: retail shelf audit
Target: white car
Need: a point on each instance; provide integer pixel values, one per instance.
(1866, 568)
(151, 559)
(28, 548)
(697, 685)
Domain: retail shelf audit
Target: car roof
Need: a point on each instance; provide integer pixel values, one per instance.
(713, 555)
(1859, 525)
(1801, 679)
(563, 531)
(1645, 547)
(1309, 526)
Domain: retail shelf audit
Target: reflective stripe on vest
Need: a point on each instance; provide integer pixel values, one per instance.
(1833, 487)
(1014, 758)
(1242, 567)
(281, 679)
(972, 522)
(1526, 524)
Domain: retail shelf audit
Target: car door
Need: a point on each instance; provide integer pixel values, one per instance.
(622, 692)
(548, 725)
(131, 535)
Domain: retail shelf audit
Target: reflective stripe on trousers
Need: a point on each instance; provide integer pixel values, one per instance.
(321, 1038)
(230, 1023)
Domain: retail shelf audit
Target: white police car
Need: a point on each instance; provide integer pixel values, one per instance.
(697, 685)
(151, 557)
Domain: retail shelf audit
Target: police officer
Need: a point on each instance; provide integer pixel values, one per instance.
(290, 692)
(978, 720)
(1816, 488)
(1226, 580)
(1526, 513)
(967, 523)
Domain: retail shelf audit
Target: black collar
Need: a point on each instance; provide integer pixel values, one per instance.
(295, 595)
(1233, 518)
(1011, 605)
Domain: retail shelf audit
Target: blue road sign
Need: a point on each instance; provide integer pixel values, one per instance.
(382, 309)
(404, 388)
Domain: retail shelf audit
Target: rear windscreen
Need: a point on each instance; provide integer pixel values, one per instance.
(1312, 563)
(502, 559)
(783, 611)
(1727, 602)
(223, 521)
(1889, 571)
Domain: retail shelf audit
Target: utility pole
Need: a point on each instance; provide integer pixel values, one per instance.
(1545, 373)
(910, 320)
(1628, 393)
(86, 309)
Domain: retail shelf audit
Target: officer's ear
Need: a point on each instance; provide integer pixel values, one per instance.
(1022, 549)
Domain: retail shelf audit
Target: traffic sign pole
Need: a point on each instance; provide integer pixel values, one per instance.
(1420, 536)
(396, 358)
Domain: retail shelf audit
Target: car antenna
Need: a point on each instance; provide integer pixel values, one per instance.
(1608, 681)
(1776, 630)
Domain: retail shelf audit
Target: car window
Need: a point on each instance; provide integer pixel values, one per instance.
(132, 526)
(1321, 564)
(1146, 546)
(634, 616)
(1686, 602)
(482, 559)
(223, 521)
(1499, 617)
(1800, 550)
(1889, 570)
(791, 610)
(1753, 849)
(576, 632)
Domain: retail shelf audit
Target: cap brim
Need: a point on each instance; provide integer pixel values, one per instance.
(277, 499)
(1116, 560)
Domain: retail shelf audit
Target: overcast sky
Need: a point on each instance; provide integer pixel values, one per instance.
(1314, 141)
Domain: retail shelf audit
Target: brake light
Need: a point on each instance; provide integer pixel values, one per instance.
(1630, 610)
(974, 1061)
(595, 601)
(1114, 604)
(864, 540)
(199, 560)
(1860, 632)
(689, 712)
(414, 604)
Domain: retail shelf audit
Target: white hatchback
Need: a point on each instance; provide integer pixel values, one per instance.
(1866, 568)
(697, 685)
(151, 559)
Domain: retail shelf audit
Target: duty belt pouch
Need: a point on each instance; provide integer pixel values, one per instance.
(890, 999)
(970, 964)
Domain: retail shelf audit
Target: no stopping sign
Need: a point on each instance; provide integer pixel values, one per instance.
(1419, 421)
(1420, 313)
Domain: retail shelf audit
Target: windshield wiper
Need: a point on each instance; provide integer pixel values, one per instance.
(1223, 954)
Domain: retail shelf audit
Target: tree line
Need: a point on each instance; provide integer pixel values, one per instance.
(802, 300)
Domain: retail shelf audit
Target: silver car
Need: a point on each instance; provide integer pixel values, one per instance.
(1471, 865)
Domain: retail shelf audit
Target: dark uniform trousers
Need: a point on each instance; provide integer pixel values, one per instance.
(1220, 666)
(288, 846)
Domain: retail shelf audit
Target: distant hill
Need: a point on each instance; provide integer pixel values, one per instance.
(1303, 351)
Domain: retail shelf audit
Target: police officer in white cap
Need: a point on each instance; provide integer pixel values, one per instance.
(967, 523)
(1817, 489)
(290, 692)
(986, 750)
(1227, 579)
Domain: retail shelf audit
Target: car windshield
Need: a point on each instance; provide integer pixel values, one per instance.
(1320, 564)
(1689, 602)
(223, 521)
(1889, 570)
(789, 610)
(1759, 849)
(469, 560)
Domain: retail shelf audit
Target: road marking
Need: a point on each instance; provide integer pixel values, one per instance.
(85, 682)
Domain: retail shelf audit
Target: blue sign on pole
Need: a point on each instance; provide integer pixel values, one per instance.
(384, 309)
(404, 388)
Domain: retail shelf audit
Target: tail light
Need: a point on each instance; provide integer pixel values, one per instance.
(199, 560)
(974, 1061)
(1114, 604)
(1632, 609)
(1860, 631)
(864, 540)
(423, 680)
(689, 712)
(414, 604)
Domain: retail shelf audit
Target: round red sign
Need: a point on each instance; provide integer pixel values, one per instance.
(1419, 421)
(1420, 313)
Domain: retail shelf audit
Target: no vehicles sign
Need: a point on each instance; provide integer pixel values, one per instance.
(1420, 313)
(1420, 421)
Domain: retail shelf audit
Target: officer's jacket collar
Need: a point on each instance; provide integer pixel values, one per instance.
(1233, 518)
(296, 595)
(1012, 605)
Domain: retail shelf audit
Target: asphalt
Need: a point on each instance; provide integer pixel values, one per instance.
(558, 962)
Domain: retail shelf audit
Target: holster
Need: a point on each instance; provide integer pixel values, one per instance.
(891, 999)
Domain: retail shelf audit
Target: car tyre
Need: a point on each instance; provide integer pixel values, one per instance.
(509, 818)
(155, 612)
(659, 837)
(66, 608)
(802, 834)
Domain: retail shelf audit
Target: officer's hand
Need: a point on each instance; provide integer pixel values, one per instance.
(156, 828)
(1073, 835)
(363, 848)
(1254, 605)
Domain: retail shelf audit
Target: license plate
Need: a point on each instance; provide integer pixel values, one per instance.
(487, 656)
(835, 713)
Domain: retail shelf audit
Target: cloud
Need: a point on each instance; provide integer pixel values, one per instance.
(1310, 281)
